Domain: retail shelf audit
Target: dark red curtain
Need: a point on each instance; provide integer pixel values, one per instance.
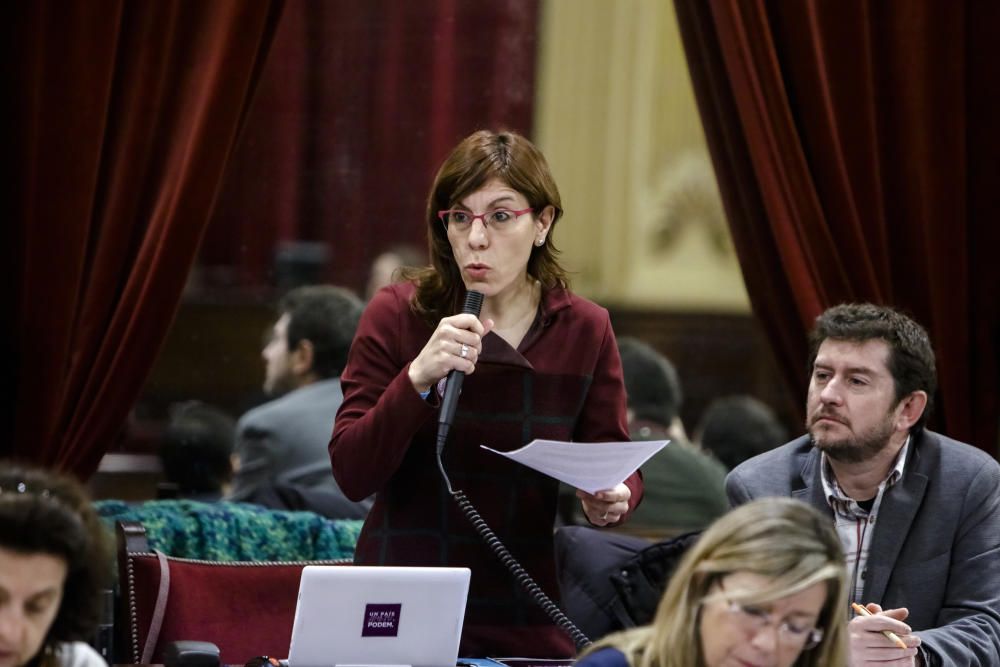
(358, 104)
(856, 145)
(123, 118)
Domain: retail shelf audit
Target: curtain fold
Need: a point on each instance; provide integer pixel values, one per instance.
(359, 103)
(124, 118)
(856, 151)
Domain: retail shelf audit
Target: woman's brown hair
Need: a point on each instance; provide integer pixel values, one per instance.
(479, 158)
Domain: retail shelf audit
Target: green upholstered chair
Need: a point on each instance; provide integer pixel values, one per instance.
(224, 531)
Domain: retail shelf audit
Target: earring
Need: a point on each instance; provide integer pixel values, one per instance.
(540, 242)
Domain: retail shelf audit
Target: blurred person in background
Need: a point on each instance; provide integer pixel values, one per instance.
(390, 267)
(684, 488)
(737, 428)
(281, 446)
(196, 452)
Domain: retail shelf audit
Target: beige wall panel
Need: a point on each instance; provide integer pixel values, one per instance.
(617, 119)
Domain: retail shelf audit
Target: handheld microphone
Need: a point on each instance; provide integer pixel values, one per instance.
(473, 304)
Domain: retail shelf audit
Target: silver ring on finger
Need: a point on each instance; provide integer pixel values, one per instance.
(604, 517)
(465, 351)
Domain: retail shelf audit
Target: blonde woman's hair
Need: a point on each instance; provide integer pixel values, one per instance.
(780, 538)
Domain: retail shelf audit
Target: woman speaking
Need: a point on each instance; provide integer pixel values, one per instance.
(540, 362)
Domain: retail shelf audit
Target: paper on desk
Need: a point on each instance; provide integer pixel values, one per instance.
(591, 466)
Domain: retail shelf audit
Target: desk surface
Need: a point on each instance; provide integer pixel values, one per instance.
(513, 662)
(462, 662)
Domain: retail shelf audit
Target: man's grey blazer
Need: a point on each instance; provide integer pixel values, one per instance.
(285, 441)
(936, 545)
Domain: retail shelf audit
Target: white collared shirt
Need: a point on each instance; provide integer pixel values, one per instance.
(855, 524)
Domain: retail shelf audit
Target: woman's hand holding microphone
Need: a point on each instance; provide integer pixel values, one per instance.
(455, 345)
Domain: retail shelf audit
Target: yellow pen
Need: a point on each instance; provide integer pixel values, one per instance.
(889, 634)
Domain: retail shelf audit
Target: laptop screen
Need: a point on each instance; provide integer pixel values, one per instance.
(360, 615)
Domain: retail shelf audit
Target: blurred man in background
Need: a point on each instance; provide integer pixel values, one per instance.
(281, 446)
(736, 428)
(685, 488)
(196, 452)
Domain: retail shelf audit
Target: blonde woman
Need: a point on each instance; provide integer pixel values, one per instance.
(763, 587)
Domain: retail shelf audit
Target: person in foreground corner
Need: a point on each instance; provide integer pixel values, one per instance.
(55, 560)
(764, 586)
(918, 513)
(546, 366)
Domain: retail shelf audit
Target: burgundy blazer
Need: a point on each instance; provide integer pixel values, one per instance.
(563, 383)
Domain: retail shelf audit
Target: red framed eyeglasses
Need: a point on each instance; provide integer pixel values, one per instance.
(498, 218)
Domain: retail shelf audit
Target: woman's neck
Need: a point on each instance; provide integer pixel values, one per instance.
(513, 312)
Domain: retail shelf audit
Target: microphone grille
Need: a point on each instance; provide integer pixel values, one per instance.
(473, 302)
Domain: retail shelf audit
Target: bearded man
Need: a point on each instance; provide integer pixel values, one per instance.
(918, 513)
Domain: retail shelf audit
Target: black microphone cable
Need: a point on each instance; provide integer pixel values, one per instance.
(524, 580)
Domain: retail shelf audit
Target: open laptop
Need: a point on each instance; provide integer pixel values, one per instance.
(358, 615)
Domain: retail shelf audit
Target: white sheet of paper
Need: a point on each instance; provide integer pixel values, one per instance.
(591, 466)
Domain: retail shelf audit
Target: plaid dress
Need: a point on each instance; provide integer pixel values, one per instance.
(563, 383)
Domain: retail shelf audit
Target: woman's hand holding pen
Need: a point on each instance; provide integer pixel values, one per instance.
(455, 345)
(605, 507)
(870, 640)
